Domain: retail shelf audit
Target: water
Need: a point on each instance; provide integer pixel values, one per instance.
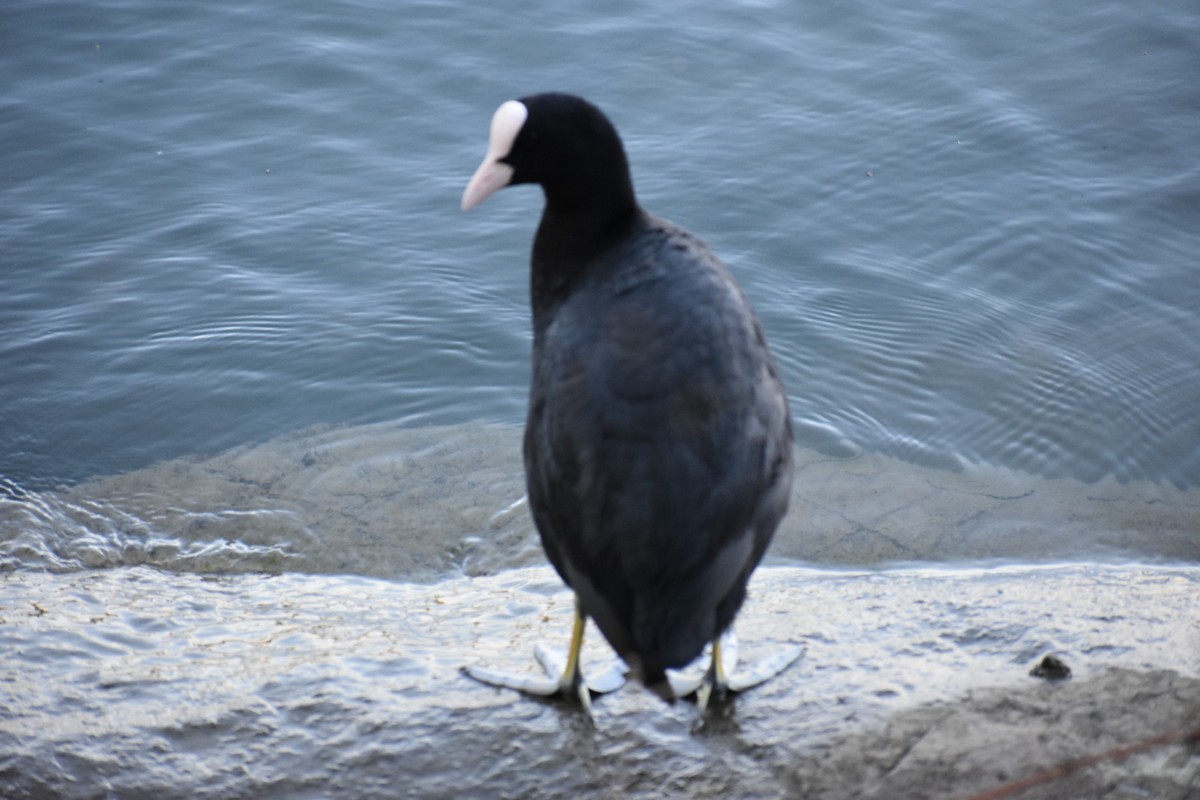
(261, 382)
(971, 234)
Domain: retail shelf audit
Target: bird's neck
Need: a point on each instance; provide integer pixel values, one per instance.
(570, 239)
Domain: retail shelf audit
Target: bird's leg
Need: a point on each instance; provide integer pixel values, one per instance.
(562, 677)
(716, 683)
(724, 676)
(571, 682)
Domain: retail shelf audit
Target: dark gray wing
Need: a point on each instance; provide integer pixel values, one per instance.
(658, 449)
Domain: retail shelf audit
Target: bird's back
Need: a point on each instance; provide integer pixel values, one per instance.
(658, 448)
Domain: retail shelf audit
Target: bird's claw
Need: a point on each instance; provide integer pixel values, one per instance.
(555, 666)
(556, 682)
(709, 686)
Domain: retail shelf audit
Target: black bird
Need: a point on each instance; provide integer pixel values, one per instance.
(658, 446)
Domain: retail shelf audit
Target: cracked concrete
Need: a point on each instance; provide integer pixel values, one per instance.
(1002, 743)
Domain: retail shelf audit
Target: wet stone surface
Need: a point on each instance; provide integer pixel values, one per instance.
(139, 682)
(292, 620)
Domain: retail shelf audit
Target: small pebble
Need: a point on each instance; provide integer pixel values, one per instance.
(1051, 668)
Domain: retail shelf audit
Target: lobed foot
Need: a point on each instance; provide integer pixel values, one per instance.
(557, 681)
(563, 676)
(723, 676)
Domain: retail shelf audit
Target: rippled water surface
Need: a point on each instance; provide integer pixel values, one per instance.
(261, 382)
(971, 233)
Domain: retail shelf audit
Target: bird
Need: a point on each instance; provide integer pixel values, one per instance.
(658, 443)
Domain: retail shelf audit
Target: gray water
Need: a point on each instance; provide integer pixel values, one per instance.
(972, 234)
(261, 382)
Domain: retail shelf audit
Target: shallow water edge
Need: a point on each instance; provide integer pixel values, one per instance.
(422, 503)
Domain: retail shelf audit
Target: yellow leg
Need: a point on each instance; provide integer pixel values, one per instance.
(561, 677)
(571, 681)
(720, 679)
(716, 682)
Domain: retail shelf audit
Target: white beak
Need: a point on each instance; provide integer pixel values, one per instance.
(492, 174)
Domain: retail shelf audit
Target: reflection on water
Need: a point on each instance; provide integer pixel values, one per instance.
(970, 234)
(77, 532)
